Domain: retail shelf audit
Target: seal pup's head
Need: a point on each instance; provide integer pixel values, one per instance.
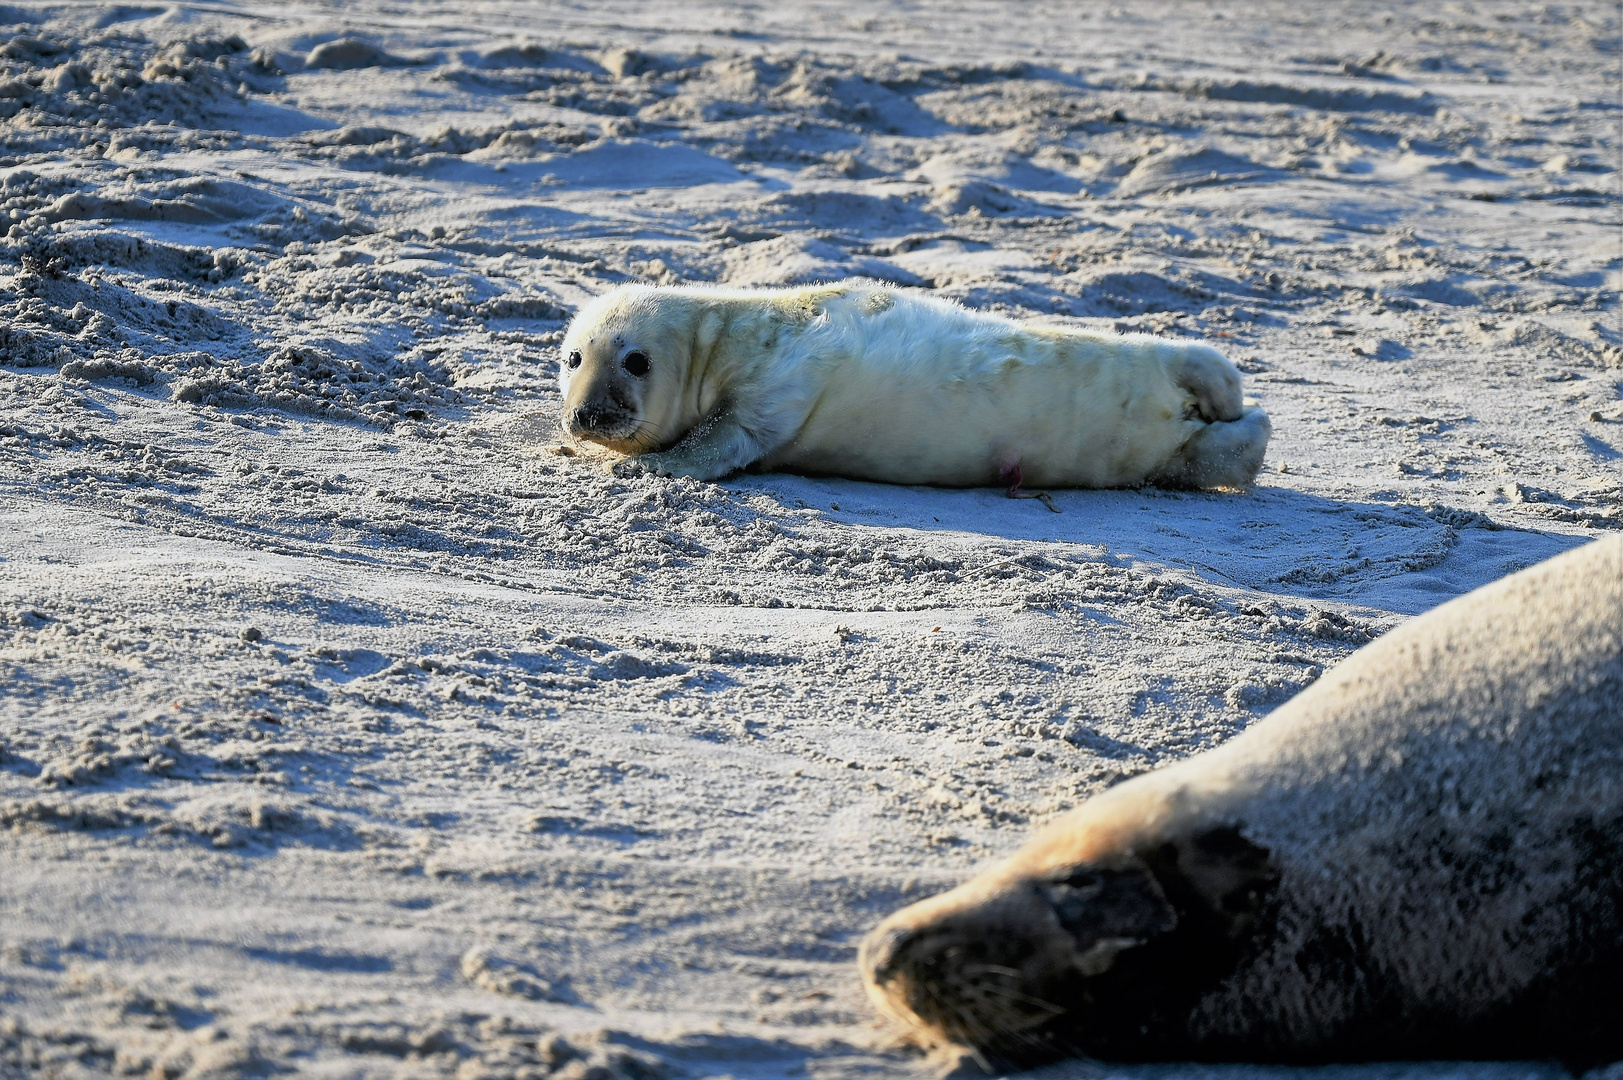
(624, 366)
(1101, 954)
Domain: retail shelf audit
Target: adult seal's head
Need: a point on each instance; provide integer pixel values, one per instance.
(1420, 856)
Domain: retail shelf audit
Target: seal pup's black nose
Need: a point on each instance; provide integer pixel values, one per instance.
(593, 417)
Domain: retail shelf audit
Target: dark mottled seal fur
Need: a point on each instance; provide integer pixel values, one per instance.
(1421, 856)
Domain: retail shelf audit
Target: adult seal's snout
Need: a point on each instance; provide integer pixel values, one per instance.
(883, 951)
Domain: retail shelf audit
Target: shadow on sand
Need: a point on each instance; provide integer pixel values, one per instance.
(1391, 556)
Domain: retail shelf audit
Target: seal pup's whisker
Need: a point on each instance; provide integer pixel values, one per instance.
(643, 439)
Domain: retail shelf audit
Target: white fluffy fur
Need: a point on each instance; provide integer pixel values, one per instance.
(863, 380)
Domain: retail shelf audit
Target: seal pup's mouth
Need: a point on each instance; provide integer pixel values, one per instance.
(616, 426)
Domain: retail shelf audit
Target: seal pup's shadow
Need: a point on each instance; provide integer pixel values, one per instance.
(1396, 557)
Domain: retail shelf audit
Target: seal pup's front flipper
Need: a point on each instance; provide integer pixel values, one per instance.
(717, 446)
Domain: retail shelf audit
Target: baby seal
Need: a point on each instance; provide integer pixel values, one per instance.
(1420, 856)
(863, 380)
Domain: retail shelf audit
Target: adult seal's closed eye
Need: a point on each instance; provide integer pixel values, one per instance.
(1420, 856)
(863, 380)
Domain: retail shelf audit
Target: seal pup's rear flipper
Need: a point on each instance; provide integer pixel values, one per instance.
(1223, 454)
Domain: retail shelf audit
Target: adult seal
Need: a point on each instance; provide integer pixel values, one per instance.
(1420, 856)
(862, 380)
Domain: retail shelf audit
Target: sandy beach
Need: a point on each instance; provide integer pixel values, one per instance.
(354, 723)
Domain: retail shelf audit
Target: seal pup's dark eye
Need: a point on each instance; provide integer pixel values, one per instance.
(574, 360)
(636, 364)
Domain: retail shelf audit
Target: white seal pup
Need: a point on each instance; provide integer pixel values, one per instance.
(1420, 856)
(864, 380)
